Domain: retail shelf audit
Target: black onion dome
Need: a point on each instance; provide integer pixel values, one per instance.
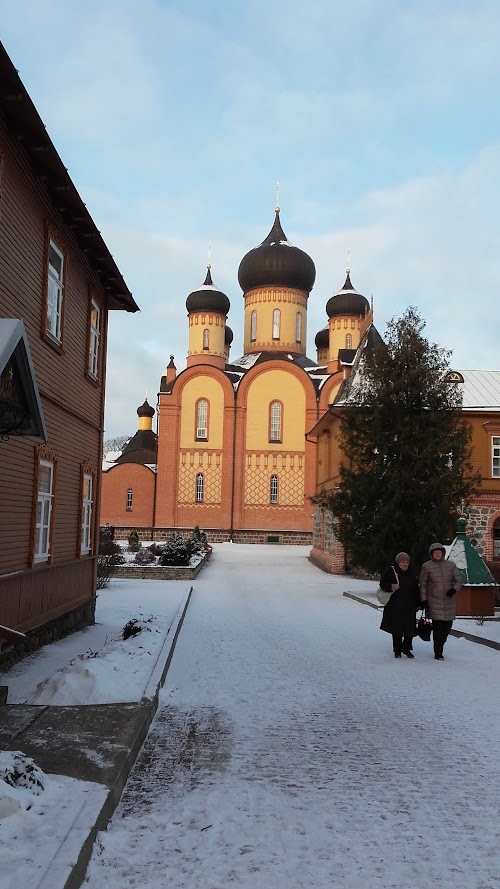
(228, 336)
(145, 410)
(276, 263)
(207, 298)
(322, 338)
(347, 302)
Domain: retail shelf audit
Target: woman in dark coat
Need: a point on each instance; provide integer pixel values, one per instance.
(399, 616)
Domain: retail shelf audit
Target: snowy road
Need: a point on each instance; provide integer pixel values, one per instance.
(292, 750)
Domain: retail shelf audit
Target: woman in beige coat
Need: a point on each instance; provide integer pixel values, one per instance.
(439, 582)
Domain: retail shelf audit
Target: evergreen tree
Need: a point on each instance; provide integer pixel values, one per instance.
(407, 452)
(176, 552)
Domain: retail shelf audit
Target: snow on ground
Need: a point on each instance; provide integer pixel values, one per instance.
(291, 750)
(95, 665)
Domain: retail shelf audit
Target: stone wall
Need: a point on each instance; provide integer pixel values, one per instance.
(482, 514)
(214, 535)
(327, 552)
(50, 632)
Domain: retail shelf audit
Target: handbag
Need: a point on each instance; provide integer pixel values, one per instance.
(424, 629)
(382, 595)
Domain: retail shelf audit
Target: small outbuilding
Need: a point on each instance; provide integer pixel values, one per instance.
(477, 596)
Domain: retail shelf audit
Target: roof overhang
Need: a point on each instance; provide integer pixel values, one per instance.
(29, 131)
(20, 405)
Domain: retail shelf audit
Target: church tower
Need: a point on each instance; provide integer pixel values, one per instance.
(350, 314)
(207, 312)
(276, 279)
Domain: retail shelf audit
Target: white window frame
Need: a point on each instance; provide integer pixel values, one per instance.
(273, 489)
(298, 327)
(276, 324)
(54, 294)
(253, 326)
(202, 418)
(275, 421)
(130, 496)
(87, 510)
(95, 336)
(206, 339)
(45, 500)
(200, 484)
(495, 456)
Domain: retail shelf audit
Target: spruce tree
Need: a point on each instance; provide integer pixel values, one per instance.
(406, 469)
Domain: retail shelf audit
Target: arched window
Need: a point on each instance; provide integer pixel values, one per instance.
(206, 339)
(253, 326)
(202, 418)
(276, 324)
(348, 341)
(199, 487)
(298, 327)
(273, 494)
(129, 500)
(275, 421)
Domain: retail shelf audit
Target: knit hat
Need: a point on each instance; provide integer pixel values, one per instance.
(402, 557)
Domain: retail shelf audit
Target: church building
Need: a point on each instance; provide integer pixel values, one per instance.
(231, 452)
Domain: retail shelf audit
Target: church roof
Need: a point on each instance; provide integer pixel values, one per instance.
(142, 448)
(276, 263)
(347, 301)
(208, 298)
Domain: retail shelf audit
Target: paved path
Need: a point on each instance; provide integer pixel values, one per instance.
(292, 750)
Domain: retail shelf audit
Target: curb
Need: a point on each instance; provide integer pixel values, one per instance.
(64, 862)
(460, 634)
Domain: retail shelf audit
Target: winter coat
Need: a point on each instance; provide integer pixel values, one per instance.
(436, 578)
(399, 613)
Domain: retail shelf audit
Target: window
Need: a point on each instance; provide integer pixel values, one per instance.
(275, 421)
(95, 334)
(206, 339)
(276, 324)
(44, 510)
(87, 497)
(348, 341)
(253, 326)
(199, 488)
(53, 324)
(496, 539)
(202, 418)
(274, 489)
(495, 456)
(298, 327)
(129, 500)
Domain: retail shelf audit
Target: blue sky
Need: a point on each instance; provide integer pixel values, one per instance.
(176, 119)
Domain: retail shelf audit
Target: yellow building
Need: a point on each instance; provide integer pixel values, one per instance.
(233, 456)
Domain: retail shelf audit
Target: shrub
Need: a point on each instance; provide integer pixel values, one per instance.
(156, 548)
(133, 538)
(176, 552)
(109, 556)
(144, 556)
(134, 547)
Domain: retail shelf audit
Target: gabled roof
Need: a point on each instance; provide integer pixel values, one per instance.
(28, 129)
(473, 570)
(20, 408)
(481, 390)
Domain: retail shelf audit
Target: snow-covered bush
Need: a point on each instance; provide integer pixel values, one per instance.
(176, 552)
(156, 548)
(19, 770)
(144, 556)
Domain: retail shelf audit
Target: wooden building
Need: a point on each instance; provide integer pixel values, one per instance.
(58, 281)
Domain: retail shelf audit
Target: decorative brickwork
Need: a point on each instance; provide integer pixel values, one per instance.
(290, 471)
(210, 464)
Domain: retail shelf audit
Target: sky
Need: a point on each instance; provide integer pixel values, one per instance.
(176, 121)
(290, 749)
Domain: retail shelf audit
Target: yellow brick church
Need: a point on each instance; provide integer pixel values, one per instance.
(230, 453)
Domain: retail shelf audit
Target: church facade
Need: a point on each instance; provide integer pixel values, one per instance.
(231, 452)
